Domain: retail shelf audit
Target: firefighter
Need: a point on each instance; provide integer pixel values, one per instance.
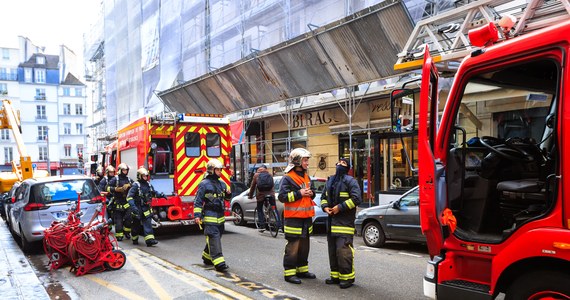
(139, 198)
(209, 210)
(297, 196)
(99, 175)
(339, 200)
(119, 186)
(109, 174)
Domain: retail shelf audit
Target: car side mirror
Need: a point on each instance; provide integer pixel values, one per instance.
(396, 205)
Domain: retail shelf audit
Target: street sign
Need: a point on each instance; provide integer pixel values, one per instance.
(365, 186)
(34, 166)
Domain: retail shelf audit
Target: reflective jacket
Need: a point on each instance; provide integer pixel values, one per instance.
(140, 196)
(295, 205)
(346, 194)
(209, 204)
(120, 198)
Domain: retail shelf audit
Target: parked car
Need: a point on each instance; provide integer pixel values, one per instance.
(399, 220)
(40, 201)
(237, 188)
(9, 200)
(243, 207)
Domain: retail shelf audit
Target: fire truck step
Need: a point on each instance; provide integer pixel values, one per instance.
(467, 290)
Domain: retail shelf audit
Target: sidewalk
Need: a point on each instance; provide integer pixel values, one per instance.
(17, 278)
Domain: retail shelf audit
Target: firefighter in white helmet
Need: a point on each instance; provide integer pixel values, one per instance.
(297, 196)
(119, 186)
(109, 175)
(209, 210)
(99, 175)
(139, 198)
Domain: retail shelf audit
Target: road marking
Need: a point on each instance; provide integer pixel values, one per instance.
(117, 289)
(213, 289)
(409, 254)
(153, 284)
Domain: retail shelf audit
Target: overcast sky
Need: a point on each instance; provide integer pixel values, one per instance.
(48, 23)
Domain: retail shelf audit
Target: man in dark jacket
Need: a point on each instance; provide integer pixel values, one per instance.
(339, 200)
(209, 210)
(119, 186)
(110, 174)
(261, 194)
(139, 198)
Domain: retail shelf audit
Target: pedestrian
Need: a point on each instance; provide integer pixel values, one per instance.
(139, 198)
(209, 209)
(297, 196)
(263, 186)
(339, 200)
(98, 175)
(119, 186)
(103, 184)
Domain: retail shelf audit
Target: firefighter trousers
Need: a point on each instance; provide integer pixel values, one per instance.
(213, 249)
(142, 227)
(296, 257)
(341, 256)
(122, 220)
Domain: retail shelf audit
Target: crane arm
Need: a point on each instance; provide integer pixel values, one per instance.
(9, 119)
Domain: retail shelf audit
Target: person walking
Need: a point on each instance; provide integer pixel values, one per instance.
(119, 186)
(263, 186)
(209, 210)
(297, 196)
(339, 200)
(139, 198)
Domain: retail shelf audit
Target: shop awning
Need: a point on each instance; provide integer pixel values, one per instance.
(360, 48)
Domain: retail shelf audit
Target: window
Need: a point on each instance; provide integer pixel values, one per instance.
(213, 144)
(79, 128)
(5, 134)
(66, 128)
(192, 143)
(43, 152)
(42, 133)
(27, 75)
(40, 60)
(40, 75)
(67, 109)
(3, 89)
(5, 53)
(78, 109)
(40, 94)
(66, 91)
(67, 150)
(78, 92)
(41, 112)
(298, 140)
(8, 155)
(79, 150)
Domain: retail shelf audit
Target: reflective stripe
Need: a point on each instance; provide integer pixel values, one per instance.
(334, 274)
(215, 220)
(293, 230)
(126, 205)
(290, 272)
(148, 237)
(350, 203)
(206, 255)
(218, 261)
(342, 229)
(324, 201)
(347, 276)
(298, 208)
(343, 194)
(311, 229)
(291, 197)
(212, 195)
(119, 234)
(126, 229)
(146, 213)
(197, 210)
(303, 269)
(130, 198)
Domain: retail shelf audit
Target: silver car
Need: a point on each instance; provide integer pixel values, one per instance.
(40, 201)
(243, 207)
(399, 220)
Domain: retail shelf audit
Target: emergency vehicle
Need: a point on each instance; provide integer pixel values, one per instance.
(175, 149)
(493, 200)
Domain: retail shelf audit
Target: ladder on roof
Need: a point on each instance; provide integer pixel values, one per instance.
(446, 33)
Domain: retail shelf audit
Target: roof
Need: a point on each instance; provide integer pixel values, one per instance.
(52, 61)
(357, 49)
(70, 79)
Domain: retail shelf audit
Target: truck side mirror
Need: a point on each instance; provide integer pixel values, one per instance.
(403, 110)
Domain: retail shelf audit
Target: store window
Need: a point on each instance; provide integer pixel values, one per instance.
(279, 144)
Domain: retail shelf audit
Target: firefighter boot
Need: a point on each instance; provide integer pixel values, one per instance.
(151, 242)
(332, 280)
(222, 267)
(344, 284)
(136, 242)
(293, 279)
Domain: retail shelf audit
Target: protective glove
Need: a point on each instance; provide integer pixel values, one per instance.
(119, 189)
(126, 186)
(135, 212)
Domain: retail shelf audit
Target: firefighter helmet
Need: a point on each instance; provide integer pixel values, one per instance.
(109, 170)
(213, 164)
(142, 171)
(123, 166)
(99, 171)
(297, 156)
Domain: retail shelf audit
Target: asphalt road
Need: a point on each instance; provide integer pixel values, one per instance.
(174, 270)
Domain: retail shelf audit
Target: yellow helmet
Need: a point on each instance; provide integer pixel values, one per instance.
(109, 170)
(213, 164)
(297, 155)
(142, 171)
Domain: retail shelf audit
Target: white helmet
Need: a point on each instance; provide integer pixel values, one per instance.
(142, 171)
(123, 166)
(297, 155)
(213, 164)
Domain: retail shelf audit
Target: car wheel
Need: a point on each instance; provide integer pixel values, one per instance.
(373, 235)
(238, 215)
(26, 245)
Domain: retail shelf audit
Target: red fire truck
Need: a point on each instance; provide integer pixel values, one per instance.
(175, 149)
(493, 204)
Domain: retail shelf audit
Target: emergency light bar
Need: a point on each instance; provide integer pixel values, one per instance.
(203, 118)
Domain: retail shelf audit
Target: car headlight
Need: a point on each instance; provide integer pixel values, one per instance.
(360, 215)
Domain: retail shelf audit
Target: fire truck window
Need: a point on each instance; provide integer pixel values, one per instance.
(192, 143)
(213, 144)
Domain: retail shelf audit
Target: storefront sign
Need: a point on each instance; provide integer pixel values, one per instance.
(322, 161)
(315, 118)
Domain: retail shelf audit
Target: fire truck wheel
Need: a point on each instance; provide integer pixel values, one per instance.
(238, 214)
(118, 260)
(540, 285)
(373, 235)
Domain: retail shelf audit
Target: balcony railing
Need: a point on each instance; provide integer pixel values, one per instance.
(41, 118)
(5, 76)
(40, 97)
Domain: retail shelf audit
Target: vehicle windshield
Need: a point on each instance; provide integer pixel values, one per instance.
(318, 185)
(61, 191)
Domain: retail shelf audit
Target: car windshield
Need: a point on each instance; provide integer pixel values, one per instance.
(61, 191)
(318, 185)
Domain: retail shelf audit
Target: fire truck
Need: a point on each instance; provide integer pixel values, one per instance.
(493, 204)
(175, 148)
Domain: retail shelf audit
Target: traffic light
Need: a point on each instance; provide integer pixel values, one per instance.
(80, 159)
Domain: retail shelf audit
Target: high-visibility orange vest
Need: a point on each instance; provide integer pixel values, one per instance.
(301, 208)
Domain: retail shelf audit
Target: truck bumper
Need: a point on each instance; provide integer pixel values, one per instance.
(429, 289)
(181, 222)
